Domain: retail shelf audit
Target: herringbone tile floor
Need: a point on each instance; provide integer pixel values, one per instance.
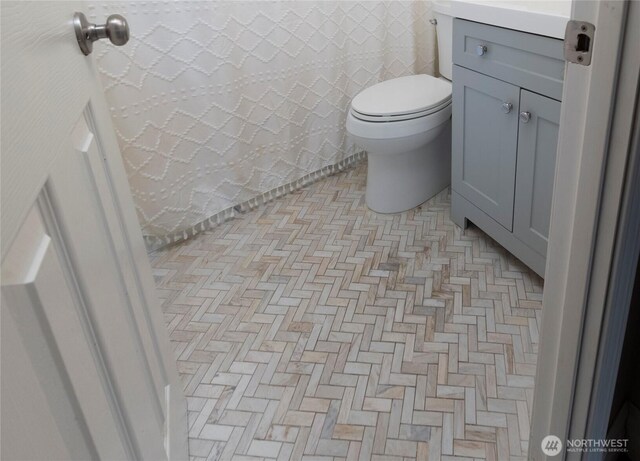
(313, 328)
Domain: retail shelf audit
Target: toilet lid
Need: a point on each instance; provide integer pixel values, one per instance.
(402, 96)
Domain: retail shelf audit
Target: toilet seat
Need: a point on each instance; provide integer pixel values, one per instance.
(402, 98)
(397, 128)
(397, 118)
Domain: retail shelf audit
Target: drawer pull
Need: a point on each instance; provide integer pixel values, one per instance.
(506, 107)
(481, 50)
(525, 116)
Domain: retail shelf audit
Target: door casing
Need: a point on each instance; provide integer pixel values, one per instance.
(588, 182)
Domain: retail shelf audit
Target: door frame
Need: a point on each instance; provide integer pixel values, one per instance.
(593, 149)
(619, 293)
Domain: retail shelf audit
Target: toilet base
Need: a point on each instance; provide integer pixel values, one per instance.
(400, 181)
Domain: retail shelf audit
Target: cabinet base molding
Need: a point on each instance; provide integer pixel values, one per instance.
(462, 211)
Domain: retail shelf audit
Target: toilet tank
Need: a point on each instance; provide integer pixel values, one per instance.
(444, 32)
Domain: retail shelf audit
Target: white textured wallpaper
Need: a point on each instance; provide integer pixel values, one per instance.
(217, 102)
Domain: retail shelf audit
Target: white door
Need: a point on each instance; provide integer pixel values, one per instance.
(87, 371)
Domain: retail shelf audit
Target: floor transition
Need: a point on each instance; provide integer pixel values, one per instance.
(313, 328)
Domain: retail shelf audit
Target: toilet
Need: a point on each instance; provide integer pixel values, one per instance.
(404, 124)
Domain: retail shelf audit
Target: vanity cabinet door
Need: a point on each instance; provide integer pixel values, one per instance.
(537, 145)
(484, 142)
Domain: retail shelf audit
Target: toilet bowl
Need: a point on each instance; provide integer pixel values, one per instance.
(404, 125)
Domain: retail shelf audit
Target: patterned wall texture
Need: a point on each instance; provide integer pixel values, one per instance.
(217, 102)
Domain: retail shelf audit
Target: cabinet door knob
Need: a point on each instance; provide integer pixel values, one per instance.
(481, 50)
(506, 107)
(525, 116)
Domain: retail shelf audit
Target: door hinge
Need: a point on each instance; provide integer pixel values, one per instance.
(578, 42)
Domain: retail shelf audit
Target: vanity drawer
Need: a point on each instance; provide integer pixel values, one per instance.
(527, 60)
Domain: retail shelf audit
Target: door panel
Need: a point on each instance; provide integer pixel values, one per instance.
(77, 290)
(537, 145)
(46, 312)
(103, 183)
(484, 143)
(93, 239)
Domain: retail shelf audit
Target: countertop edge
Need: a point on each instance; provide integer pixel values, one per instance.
(549, 25)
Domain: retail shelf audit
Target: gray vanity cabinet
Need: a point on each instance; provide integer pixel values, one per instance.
(537, 140)
(486, 124)
(506, 113)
